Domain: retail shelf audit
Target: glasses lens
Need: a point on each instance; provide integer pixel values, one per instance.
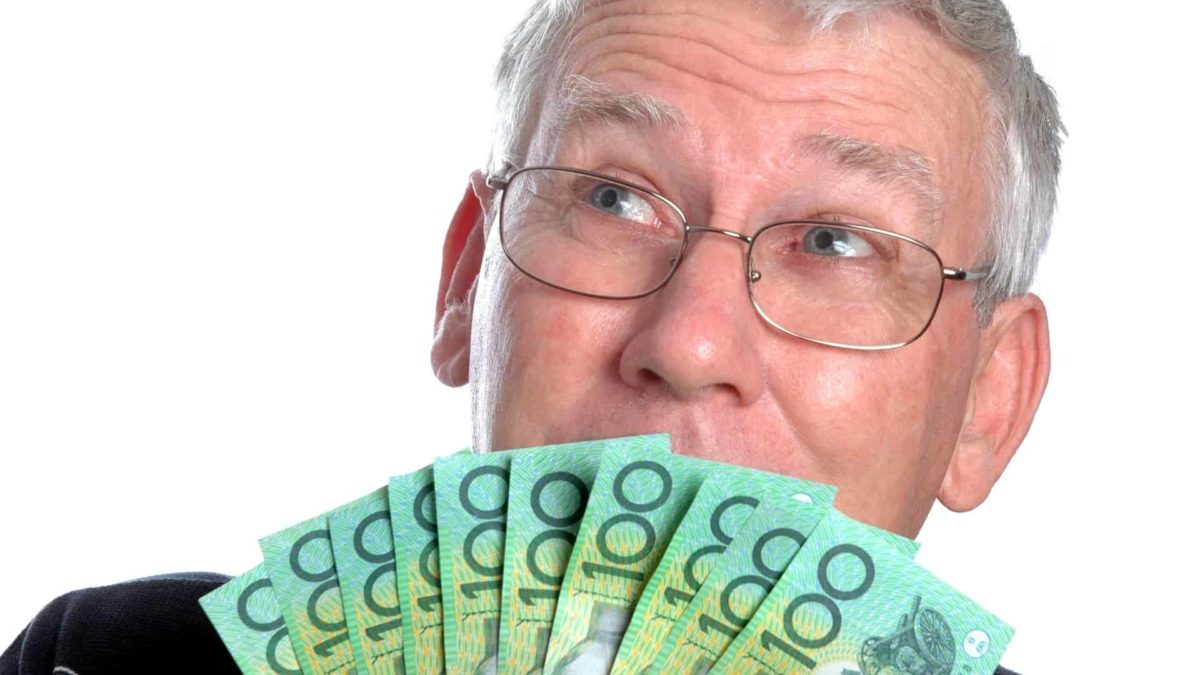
(845, 285)
(589, 234)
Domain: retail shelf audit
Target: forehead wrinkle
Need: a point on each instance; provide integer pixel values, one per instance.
(778, 57)
(701, 31)
(813, 67)
(823, 93)
(761, 41)
(846, 85)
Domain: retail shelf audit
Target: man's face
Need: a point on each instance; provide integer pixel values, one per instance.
(695, 359)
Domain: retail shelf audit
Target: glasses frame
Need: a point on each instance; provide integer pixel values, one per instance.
(501, 183)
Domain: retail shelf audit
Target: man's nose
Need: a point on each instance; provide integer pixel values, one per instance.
(698, 335)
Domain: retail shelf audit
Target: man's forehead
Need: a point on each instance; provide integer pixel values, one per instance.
(930, 145)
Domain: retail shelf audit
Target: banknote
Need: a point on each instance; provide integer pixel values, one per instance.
(364, 554)
(413, 507)
(547, 496)
(636, 503)
(738, 581)
(299, 560)
(851, 604)
(472, 507)
(725, 501)
(246, 615)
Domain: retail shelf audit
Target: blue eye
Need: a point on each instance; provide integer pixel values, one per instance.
(622, 203)
(607, 196)
(836, 242)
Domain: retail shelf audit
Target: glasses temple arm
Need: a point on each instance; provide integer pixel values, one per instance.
(960, 274)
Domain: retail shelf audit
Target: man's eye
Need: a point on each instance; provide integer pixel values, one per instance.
(622, 203)
(837, 242)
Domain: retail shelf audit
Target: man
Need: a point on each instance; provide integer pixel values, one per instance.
(743, 117)
(797, 236)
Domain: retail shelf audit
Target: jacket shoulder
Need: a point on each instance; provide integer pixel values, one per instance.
(153, 624)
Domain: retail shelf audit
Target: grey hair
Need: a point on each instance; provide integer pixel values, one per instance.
(1022, 153)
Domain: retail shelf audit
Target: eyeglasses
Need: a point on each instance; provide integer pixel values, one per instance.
(837, 284)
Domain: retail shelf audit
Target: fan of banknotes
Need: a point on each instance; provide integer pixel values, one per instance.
(602, 556)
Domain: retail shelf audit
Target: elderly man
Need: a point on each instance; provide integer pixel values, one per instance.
(797, 235)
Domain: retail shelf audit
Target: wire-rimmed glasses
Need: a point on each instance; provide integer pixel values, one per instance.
(837, 284)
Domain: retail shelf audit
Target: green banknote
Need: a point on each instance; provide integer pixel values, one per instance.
(247, 617)
(413, 506)
(738, 581)
(638, 499)
(742, 577)
(299, 560)
(366, 565)
(725, 501)
(851, 604)
(547, 496)
(472, 506)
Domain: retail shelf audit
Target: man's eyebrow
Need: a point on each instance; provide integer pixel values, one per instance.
(890, 166)
(583, 100)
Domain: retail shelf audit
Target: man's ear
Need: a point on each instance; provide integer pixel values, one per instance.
(462, 256)
(1010, 376)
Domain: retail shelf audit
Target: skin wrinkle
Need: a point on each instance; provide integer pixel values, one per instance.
(715, 37)
(663, 37)
(850, 101)
(766, 66)
(627, 28)
(631, 13)
(730, 83)
(787, 33)
(695, 359)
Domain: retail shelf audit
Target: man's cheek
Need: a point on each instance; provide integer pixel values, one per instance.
(859, 399)
(556, 347)
(846, 385)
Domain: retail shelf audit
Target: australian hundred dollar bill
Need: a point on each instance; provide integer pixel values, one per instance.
(299, 560)
(549, 489)
(638, 499)
(364, 554)
(737, 582)
(413, 507)
(726, 500)
(472, 507)
(247, 616)
(851, 603)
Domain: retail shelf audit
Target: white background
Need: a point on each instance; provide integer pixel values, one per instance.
(220, 237)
